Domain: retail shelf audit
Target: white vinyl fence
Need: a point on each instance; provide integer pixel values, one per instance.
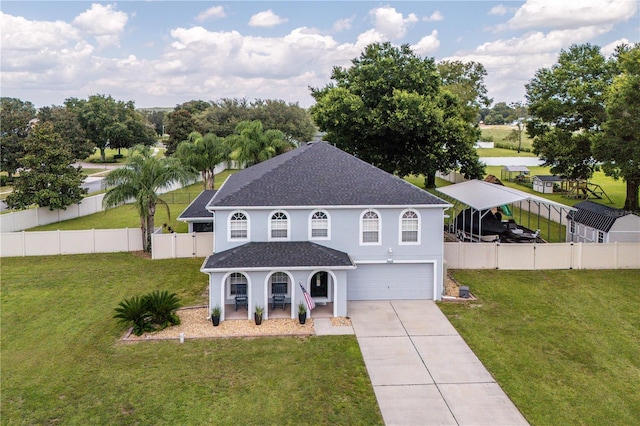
(172, 246)
(45, 243)
(542, 256)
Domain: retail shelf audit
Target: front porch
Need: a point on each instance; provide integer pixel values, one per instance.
(320, 311)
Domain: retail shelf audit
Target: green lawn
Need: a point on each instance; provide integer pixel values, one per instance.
(127, 217)
(564, 345)
(62, 362)
(615, 189)
(499, 133)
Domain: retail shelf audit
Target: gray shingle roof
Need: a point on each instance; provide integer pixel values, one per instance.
(318, 174)
(595, 215)
(548, 178)
(286, 254)
(198, 207)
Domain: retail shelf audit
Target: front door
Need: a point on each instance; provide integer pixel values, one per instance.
(320, 285)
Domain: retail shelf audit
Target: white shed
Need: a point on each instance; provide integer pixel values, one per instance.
(544, 183)
(595, 223)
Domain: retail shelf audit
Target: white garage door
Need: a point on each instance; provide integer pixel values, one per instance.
(390, 282)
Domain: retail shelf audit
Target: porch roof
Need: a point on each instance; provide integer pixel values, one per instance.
(270, 255)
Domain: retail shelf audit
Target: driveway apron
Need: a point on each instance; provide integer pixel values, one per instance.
(422, 371)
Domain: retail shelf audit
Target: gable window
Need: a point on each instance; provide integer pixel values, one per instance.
(409, 227)
(370, 227)
(238, 226)
(279, 226)
(319, 225)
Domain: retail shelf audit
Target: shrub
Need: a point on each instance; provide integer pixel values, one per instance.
(153, 311)
(136, 311)
(162, 308)
(4, 180)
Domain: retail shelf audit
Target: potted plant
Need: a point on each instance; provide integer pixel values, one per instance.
(215, 315)
(302, 313)
(257, 316)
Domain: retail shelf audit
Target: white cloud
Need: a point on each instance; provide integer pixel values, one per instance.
(391, 23)
(427, 44)
(23, 35)
(266, 19)
(103, 22)
(571, 14)
(435, 16)
(342, 24)
(499, 10)
(214, 12)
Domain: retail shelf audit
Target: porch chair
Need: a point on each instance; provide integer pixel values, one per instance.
(241, 296)
(279, 295)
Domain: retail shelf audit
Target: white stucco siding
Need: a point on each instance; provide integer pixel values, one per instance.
(393, 281)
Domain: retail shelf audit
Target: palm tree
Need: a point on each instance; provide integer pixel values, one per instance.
(251, 145)
(203, 154)
(140, 180)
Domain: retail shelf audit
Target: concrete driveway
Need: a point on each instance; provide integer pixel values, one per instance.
(422, 372)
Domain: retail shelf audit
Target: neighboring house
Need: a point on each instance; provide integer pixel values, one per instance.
(196, 214)
(595, 223)
(321, 218)
(545, 183)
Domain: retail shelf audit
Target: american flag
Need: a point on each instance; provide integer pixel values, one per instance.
(307, 298)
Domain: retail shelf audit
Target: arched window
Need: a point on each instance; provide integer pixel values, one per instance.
(279, 278)
(279, 225)
(319, 225)
(409, 227)
(238, 226)
(235, 280)
(370, 227)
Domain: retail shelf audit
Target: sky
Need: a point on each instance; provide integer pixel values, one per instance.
(164, 53)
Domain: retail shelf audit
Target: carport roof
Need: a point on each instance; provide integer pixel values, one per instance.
(481, 195)
(270, 255)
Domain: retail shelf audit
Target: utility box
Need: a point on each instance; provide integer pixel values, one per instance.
(464, 291)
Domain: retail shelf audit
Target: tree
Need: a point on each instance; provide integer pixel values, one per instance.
(110, 123)
(203, 154)
(179, 125)
(251, 145)
(48, 177)
(618, 146)
(141, 179)
(389, 109)
(466, 81)
(292, 120)
(16, 118)
(566, 104)
(67, 125)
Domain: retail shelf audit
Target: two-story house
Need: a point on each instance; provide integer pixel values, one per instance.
(325, 220)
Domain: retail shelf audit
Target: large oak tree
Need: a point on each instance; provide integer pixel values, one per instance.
(48, 178)
(390, 109)
(618, 146)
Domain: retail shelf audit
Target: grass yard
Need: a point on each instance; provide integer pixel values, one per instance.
(127, 216)
(499, 134)
(564, 345)
(62, 362)
(615, 189)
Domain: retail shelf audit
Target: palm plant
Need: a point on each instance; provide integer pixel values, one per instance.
(251, 145)
(162, 307)
(140, 180)
(136, 311)
(203, 154)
